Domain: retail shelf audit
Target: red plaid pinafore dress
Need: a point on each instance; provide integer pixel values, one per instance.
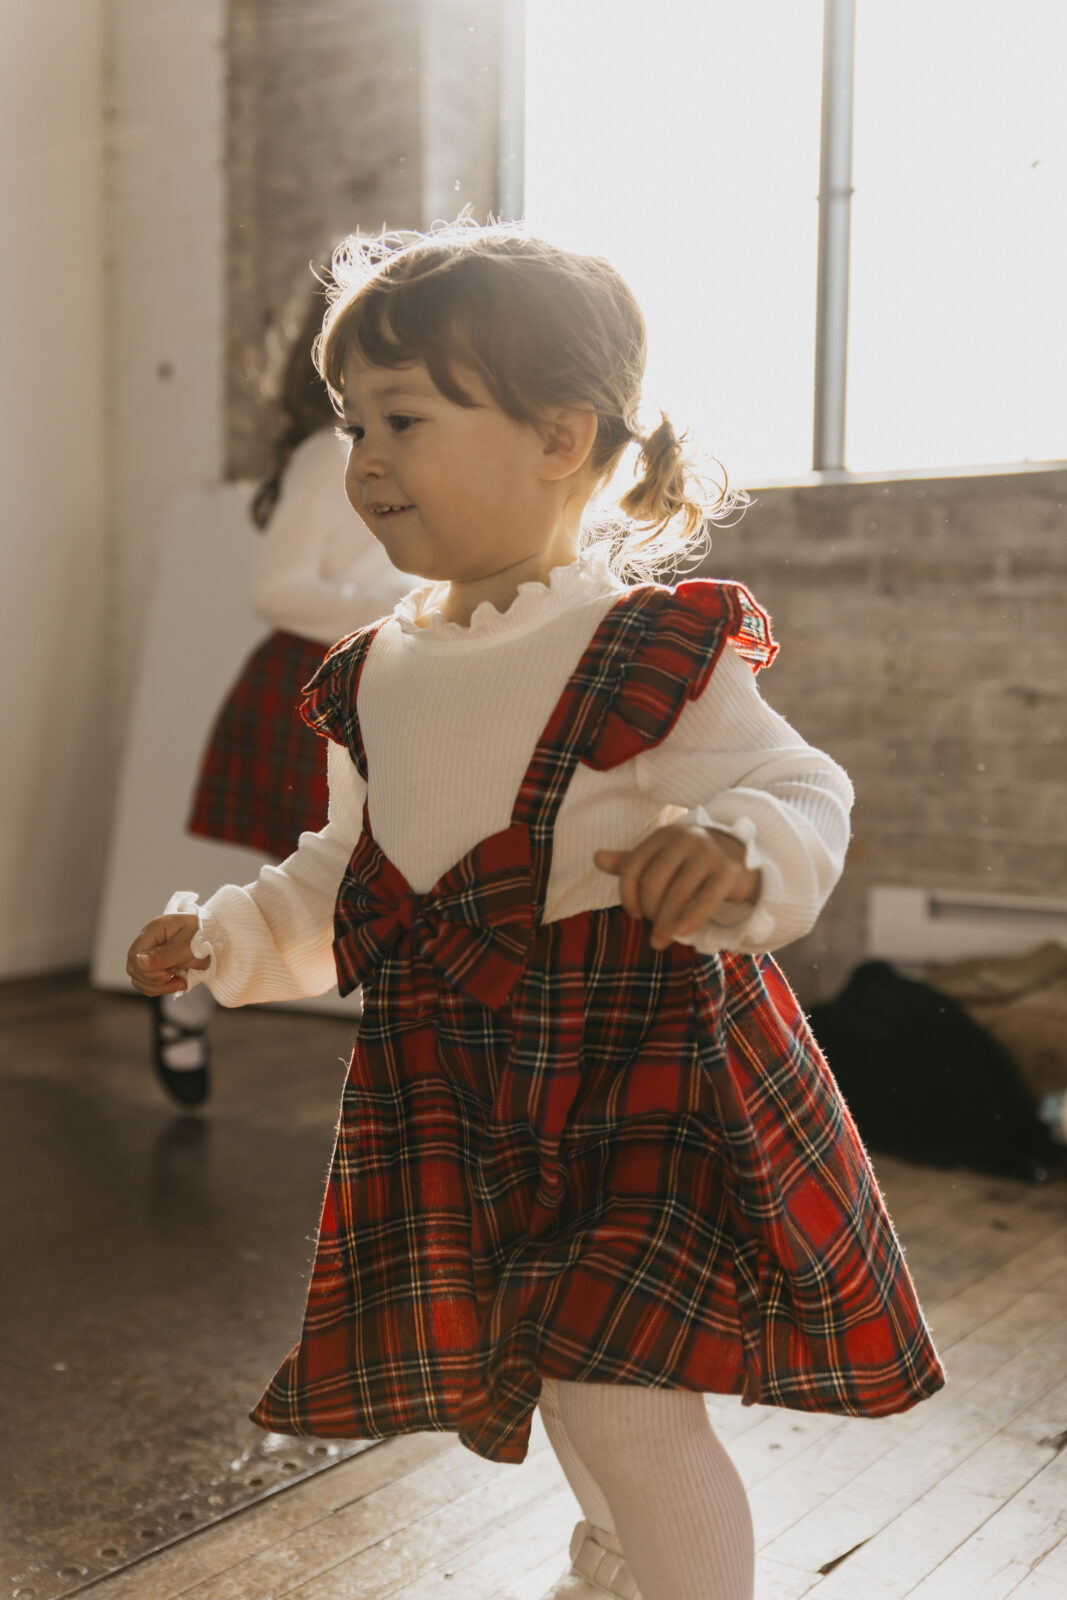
(262, 782)
(564, 1154)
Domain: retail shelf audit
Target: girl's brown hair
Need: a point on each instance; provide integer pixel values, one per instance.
(300, 406)
(541, 327)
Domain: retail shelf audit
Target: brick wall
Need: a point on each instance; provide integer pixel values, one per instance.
(341, 117)
(923, 626)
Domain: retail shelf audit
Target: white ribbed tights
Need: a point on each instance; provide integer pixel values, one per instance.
(657, 1486)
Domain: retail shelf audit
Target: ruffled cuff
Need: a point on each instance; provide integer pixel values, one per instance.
(184, 903)
(750, 926)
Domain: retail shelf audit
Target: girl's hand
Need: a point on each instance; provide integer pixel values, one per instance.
(162, 947)
(679, 876)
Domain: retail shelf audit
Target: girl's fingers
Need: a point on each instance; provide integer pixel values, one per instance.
(672, 878)
(175, 953)
(173, 985)
(703, 905)
(689, 891)
(150, 961)
(635, 866)
(165, 978)
(614, 862)
(671, 855)
(157, 983)
(159, 955)
(608, 860)
(153, 954)
(644, 872)
(152, 968)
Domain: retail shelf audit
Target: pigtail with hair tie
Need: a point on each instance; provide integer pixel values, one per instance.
(662, 494)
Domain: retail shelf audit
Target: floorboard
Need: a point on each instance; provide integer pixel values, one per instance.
(962, 1498)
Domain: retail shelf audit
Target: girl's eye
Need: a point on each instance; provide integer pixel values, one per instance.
(400, 424)
(350, 431)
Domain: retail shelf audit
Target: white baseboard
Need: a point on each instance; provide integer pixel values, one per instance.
(924, 925)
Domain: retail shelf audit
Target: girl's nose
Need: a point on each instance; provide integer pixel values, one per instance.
(358, 471)
(362, 463)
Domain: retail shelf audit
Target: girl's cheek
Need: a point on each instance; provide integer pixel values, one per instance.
(352, 489)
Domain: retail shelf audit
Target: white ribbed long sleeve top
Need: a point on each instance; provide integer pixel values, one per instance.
(450, 716)
(320, 572)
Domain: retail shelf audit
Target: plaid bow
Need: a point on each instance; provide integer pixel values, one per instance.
(474, 926)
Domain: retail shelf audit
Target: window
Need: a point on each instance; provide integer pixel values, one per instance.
(958, 307)
(682, 140)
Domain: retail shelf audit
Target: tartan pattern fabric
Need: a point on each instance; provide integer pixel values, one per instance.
(612, 1164)
(474, 926)
(262, 780)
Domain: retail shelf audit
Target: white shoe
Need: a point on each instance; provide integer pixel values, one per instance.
(596, 1569)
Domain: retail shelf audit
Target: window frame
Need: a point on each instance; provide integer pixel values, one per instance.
(832, 271)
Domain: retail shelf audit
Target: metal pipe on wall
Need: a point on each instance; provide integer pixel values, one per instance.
(512, 153)
(835, 217)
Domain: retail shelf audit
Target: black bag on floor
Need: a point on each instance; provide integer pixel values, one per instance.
(924, 1081)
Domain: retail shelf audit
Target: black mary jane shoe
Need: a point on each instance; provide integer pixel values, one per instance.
(187, 1086)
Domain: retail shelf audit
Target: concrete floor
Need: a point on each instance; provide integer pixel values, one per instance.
(156, 1277)
(154, 1274)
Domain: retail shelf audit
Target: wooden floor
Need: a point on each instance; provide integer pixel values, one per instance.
(962, 1498)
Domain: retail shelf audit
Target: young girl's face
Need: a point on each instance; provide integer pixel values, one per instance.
(452, 492)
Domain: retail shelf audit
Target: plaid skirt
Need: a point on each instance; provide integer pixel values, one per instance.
(564, 1154)
(262, 779)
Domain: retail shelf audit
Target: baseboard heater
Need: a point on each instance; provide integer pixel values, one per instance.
(920, 926)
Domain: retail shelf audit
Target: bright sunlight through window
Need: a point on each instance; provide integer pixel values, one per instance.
(958, 311)
(681, 140)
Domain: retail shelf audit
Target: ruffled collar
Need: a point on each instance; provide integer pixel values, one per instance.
(582, 579)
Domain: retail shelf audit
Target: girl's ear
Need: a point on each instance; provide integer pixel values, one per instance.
(567, 434)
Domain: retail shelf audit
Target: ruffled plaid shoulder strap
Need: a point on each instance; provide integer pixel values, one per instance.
(684, 632)
(329, 704)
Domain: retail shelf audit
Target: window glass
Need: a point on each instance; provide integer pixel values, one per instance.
(958, 311)
(680, 140)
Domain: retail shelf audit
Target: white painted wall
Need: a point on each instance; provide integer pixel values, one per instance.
(111, 188)
(165, 290)
(54, 793)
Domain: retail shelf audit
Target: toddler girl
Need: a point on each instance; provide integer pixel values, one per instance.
(589, 1155)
